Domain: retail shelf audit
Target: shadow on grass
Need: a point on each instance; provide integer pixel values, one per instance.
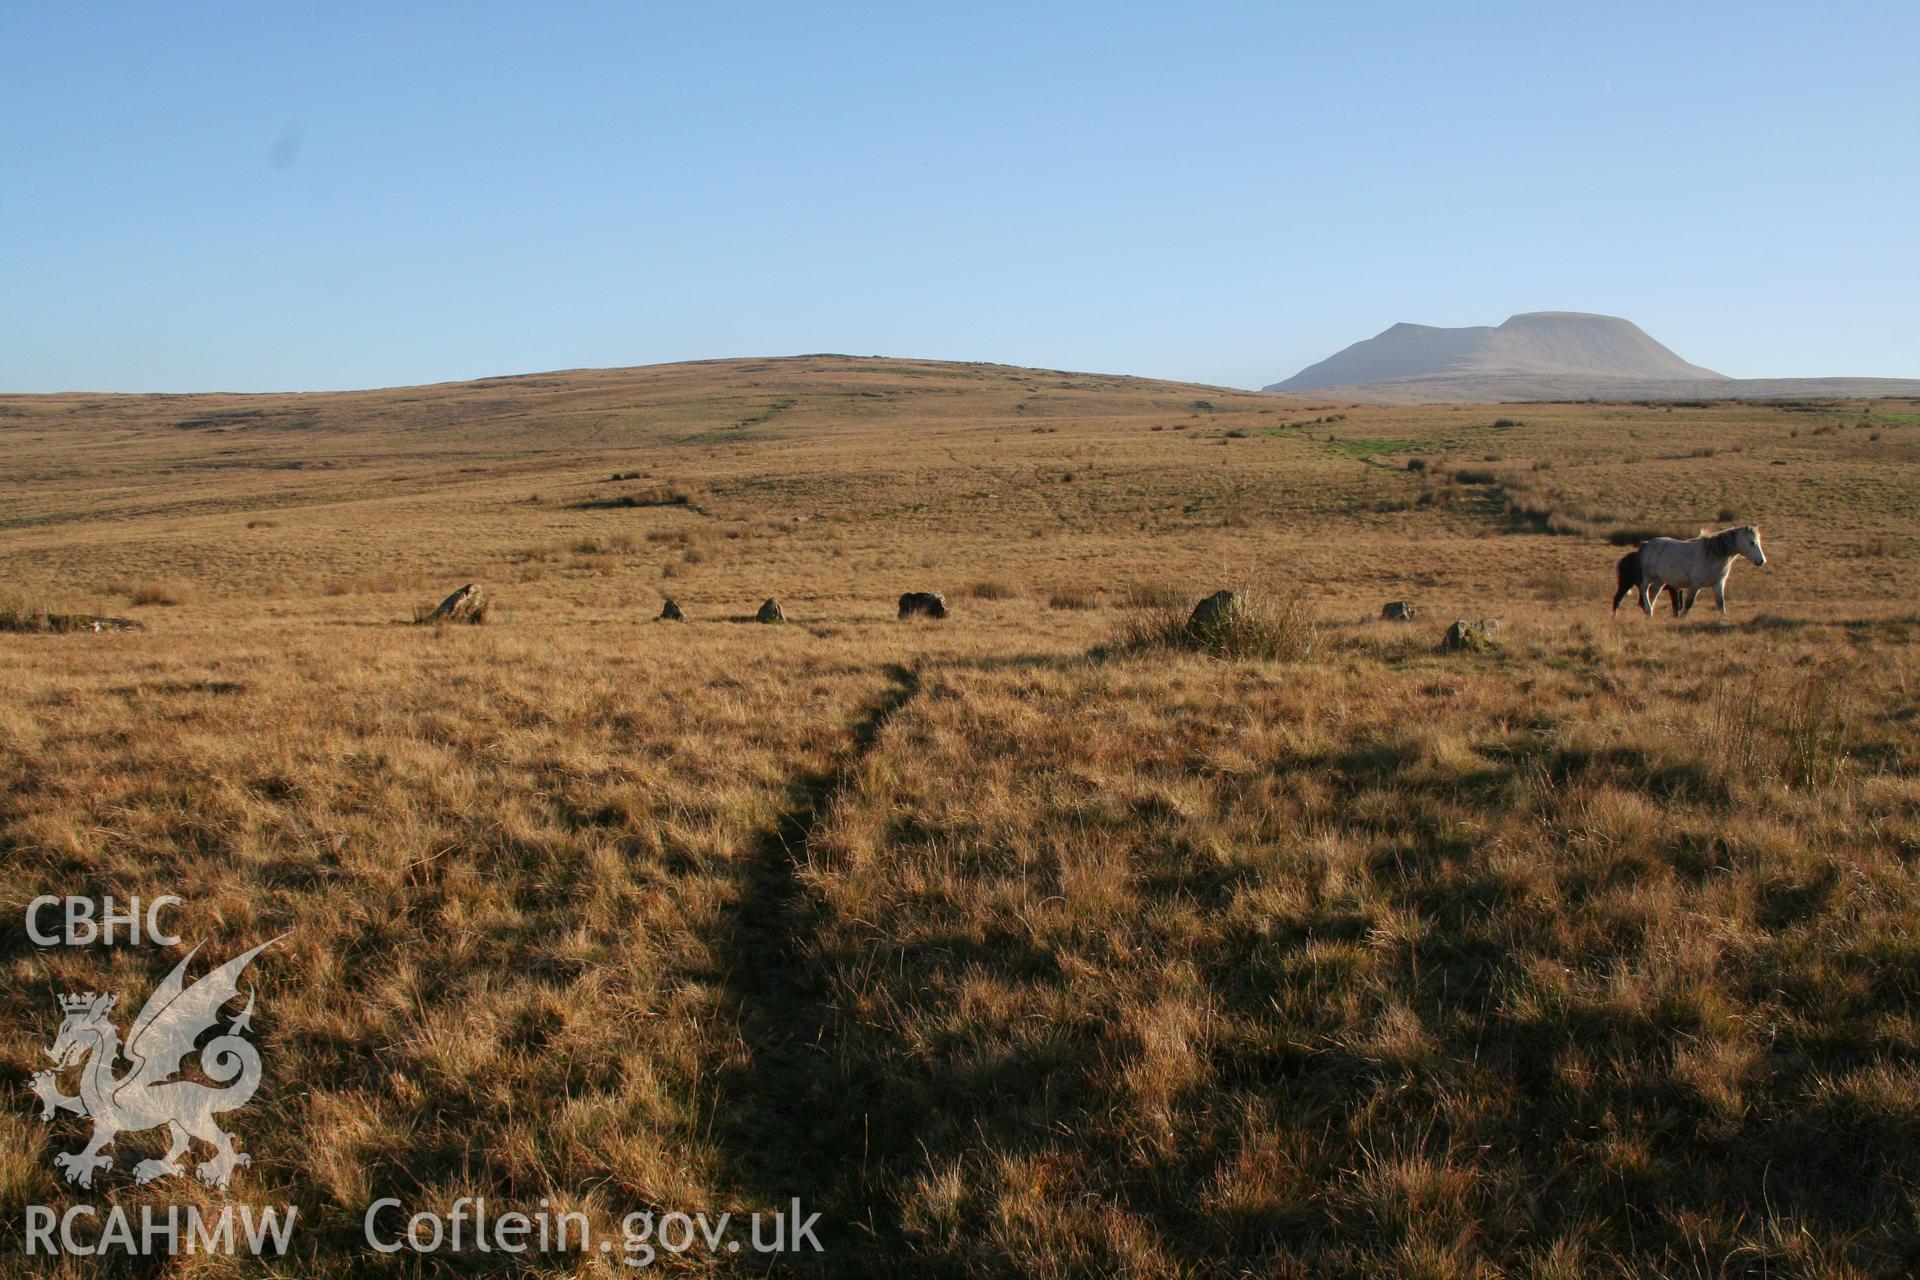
(862, 1112)
(1897, 628)
(795, 1118)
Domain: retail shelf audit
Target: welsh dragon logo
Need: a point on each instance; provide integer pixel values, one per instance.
(147, 1095)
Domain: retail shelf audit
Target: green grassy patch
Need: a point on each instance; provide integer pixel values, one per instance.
(771, 412)
(1364, 449)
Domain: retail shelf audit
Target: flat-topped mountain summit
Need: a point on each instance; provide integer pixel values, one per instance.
(1535, 344)
(1545, 355)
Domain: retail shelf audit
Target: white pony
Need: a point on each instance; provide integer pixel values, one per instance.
(1693, 563)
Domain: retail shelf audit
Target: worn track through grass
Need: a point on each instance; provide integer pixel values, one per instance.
(791, 1113)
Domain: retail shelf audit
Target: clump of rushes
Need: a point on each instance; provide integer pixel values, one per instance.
(990, 589)
(1073, 598)
(157, 593)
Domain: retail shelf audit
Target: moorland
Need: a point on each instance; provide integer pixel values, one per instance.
(1017, 942)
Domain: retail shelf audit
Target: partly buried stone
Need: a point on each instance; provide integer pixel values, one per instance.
(770, 612)
(468, 604)
(1471, 637)
(1396, 611)
(37, 620)
(923, 604)
(1215, 612)
(670, 612)
(94, 622)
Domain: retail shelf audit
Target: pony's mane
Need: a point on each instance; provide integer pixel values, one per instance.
(1727, 541)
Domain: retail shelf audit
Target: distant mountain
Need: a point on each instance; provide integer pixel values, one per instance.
(1537, 345)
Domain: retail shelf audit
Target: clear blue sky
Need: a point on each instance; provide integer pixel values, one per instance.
(281, 197)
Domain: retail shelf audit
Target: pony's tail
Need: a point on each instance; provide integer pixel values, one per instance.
(1627, 578)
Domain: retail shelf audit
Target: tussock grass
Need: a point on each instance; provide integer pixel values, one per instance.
(1559, 586)
(1782, 730)
(19, 614)
(1152, 595)
(990, 589)
(604, 544)
(651, 496)
(158, 593)
(1073, 598)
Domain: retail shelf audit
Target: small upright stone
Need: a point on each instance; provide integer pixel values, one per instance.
(770, 612)
(670, 612)
(1396, 611)
(1214, 612)
(923, 604)
(468, 604)
(1470, 637)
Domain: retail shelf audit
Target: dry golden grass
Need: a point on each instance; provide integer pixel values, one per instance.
(1010, 947)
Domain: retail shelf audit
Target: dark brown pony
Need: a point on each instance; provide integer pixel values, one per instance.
(1627, 573)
